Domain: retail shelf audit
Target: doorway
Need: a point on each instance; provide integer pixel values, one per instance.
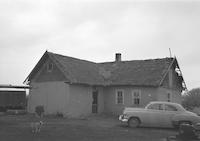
(95, 101)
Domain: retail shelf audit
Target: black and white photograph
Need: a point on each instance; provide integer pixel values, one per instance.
(99, 70)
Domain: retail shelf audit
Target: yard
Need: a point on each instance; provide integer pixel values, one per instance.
(95, 128)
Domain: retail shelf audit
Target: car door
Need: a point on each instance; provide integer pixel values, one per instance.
(154, 115)
(170, 112)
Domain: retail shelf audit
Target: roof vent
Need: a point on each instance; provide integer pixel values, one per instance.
(117, 57)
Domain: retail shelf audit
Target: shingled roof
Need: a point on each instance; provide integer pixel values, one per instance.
(78, 71)
(137, 72)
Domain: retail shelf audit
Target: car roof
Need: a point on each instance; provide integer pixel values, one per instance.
(179, 106)
(164, 102)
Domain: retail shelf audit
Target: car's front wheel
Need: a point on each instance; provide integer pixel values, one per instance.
(133, 122)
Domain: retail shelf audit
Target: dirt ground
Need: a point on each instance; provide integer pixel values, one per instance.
(94, 128)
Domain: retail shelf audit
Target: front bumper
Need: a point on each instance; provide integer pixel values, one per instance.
(123, 118)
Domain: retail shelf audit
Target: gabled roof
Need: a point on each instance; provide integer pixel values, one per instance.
(137, 72)
(78, 71)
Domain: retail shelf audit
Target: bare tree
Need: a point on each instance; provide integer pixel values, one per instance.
(192, 99)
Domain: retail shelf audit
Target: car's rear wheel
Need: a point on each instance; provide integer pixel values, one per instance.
(186, 127)
(133, 122)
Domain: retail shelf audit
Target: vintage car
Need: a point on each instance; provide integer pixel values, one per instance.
(159, 114)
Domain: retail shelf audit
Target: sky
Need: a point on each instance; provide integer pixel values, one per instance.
(96, 30)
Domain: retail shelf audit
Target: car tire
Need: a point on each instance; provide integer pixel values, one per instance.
(133, 122)
(187, 128)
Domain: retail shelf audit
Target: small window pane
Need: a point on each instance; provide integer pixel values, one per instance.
(136, 97)
(119, 97)
(156, 107)
(168, 97)
(49, 67)
(170, 108)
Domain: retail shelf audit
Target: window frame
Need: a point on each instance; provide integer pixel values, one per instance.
(168, 105)
(133, 97)
(116, 96)
(169, 97)
(49, 69)
(161, 107)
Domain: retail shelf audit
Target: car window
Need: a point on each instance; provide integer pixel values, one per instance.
(170, 108)
(155, 106)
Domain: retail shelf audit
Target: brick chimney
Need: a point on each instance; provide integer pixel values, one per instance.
(117, 57)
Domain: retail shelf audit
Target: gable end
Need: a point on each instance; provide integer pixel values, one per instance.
(46, 70)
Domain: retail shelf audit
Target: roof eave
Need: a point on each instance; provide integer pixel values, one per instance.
(162, 79)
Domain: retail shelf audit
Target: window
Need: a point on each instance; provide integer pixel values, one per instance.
(119, 97)
(49, 67)
(156, 106)
(136, 97)
(168, 97)
(170, 108)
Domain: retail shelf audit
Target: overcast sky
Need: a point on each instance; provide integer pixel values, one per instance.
(96, 30)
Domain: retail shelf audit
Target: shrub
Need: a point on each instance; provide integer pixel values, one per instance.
(39, 110)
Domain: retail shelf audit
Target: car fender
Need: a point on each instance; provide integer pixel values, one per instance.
(186, 117)
(136, 114)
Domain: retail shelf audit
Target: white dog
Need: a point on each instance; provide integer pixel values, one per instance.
(36, 126)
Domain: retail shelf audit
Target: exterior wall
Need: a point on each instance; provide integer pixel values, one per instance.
(76, 100)
(147, 94)
(52, 95)
(175, 95)
(80, 103)
(57, 96)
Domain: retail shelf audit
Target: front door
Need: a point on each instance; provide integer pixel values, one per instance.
(95, 102)
(154, 115)
(170, 112)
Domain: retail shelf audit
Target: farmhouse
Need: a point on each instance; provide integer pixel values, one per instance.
(77, 87)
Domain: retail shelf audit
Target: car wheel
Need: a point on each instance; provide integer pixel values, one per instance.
(133, 122)
(186, 127)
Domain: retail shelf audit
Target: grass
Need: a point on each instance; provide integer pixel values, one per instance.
(96, 128)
